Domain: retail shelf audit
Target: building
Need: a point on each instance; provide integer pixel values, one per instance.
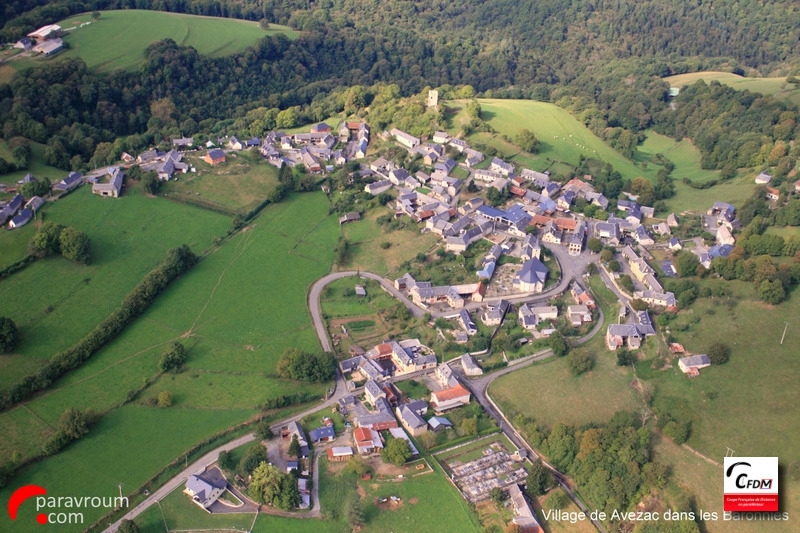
(378, 187)
(404, 138)
(373, 392)
(411, 421)
(21, 219)
(73, 179)
(322, 434)
(355, 216)
(367, 440)
(691, 365)
(35, 203)
(530, 316)
(763, 178)
(447, 399)
(204, 492)
(724, 236)
(471, 368)
(112, 187)
(579, 315)
(214, 157)
(339, 453)
(467, 323)
(294, 428)
(531, 249)
(438, 423)
(445, 377)
(532, 276)
(524, 517)
(495, 313)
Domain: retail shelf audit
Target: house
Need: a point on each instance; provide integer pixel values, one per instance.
(339, 453)
(378, 187)
(471, 368)
(350, 217)
(447, 399)
(322, 434)
(466, 322)
(73, 179)
(675, 244)
(662, 228)
(575, 239)
(367, 440)
(532, 276)
(657, 298)
(24, 44)
(360, 291)
(643, 237)
(404, 138)
(320, 128)
(498, 165)
(112, 187)
(441, 137)
(381, 420)
(763, 178)
(204, 492)
(582, 297)
(292, 465)
(35, 203)
(672, 221)
(773, 194)
(44, 33)
(294, 428)
(444, 376)
(723, 211)
(411, 421)
(724, 236)
(631, 334)
(214, 157)
(438, 423)
(607, 231)
(525, 518)
(21, 219)
(668, 267)
(691, 365)
(495, 313)
(579, 315)
(183, 142)
(373, 391)
(235, 144)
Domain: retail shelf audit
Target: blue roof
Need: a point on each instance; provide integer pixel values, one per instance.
(490, 212)
(533, 271)
(723, 250)
(321, 433)
(16, 202)
(487, 271)
(23, 218)
(436, 421)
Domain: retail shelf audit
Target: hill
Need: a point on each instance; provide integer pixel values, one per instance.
(118, 39)
(777, 87)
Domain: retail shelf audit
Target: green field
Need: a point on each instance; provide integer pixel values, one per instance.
(127, 446)
(180, 513)
(775, 86)
(236, 311)
(119, 38)
(562, 137)
(240, 184)
(129, 236)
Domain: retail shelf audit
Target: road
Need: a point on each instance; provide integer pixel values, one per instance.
(571, 267)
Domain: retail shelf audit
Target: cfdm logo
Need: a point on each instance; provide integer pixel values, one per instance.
(751, 484)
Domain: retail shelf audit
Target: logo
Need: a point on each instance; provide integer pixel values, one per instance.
(22, 494)
(751, 484)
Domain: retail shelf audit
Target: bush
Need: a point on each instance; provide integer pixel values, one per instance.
(9, 335)
(263, 431)
(173, 360)
(225, 461)
(625, 357)
(304, 366)
(719, 353)
(677, 432)
(165, 399)
(579, 362)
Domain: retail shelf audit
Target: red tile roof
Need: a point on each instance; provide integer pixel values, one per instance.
(451, 393)
(362, 435)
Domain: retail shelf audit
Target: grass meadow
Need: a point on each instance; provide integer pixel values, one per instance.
(774, 86)
(180, 513)
(119, 38)
(239, 184)
(129, 236)
(127, 446)
(236, 311)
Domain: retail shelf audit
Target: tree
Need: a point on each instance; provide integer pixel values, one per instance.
(353, 511)
(165, 398)
(40, 187)
(9, 335)
(638, 305)
(263, 431)
(558, 500)
(686, 264)
(397, 452)
(287, 118)
(294, 448)
(173, 359)
(265, 485)
(719, 353)
(128, 526)
(253, 456)
(75, 423)
(342, 251)
(606, 255)
(304, 366)
(95, 15)
(469, 426)
(528, 141)
(263, 24)
(625, 357)
(772, 292)
(626, 283)
(591, 269)
(558, 344)
(498, 495)
(579, 362)
(594, 244)
(46, 240)
(74, 245)
(151, 182)
(539, 479)
(225, 461)
(677, 432)
(614, 266)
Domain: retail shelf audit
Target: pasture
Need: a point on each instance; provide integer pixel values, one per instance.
(240, 184)
(180, 513)
(128, 237)
(123, 447)
(118, 40)
(562, 137)
(777, 87)
(234, 330)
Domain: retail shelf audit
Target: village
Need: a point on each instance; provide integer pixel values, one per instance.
(513, 283)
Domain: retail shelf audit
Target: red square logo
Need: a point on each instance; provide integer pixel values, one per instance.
(751, 484)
